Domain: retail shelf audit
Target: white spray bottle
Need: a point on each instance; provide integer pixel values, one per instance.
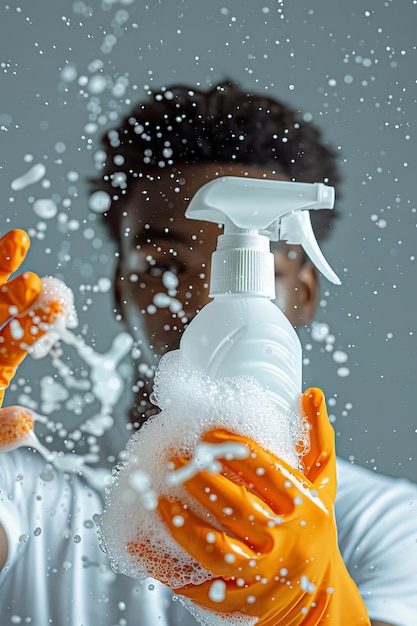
(245, 348)
(242, 332)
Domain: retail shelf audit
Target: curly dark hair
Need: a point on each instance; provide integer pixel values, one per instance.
(225, 124)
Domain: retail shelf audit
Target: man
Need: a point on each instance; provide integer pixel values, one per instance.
(163, 152)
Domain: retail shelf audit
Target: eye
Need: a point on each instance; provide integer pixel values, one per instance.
(157, 270)
(159, 267)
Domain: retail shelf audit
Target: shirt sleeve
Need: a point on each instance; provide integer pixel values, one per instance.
(377, 524)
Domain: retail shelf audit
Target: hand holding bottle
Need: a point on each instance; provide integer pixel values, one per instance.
(273, 549)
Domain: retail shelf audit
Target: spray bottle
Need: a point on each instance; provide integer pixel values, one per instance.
(242, 332)
(240, 336)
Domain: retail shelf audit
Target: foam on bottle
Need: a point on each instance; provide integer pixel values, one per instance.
(131, 530)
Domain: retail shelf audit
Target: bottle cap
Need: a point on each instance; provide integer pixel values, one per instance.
(254, 211)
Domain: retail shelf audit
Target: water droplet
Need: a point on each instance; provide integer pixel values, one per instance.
(69, 73)
(217, 591)
(88, 523)
(45, 208)
(319, 331)
(343, 372)
(99, 202)
(339, 356)
(34, 175)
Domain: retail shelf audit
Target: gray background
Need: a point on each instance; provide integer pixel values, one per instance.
(69, 69)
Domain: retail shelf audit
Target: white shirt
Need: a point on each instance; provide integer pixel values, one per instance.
(56, 573)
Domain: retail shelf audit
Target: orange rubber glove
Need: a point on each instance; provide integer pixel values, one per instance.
(273, 547)
(20, 327)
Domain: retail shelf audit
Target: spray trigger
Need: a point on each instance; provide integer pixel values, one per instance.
(296, 229)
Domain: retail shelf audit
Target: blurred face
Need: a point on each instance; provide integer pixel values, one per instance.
(164, 265)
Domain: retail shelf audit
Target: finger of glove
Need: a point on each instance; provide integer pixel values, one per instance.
(320, 461)
(212, 548)
(237, 510)
(273, 605)
(266, 475)
(13, 248)
(18, 295)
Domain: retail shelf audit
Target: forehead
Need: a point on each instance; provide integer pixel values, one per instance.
(154, 212)
(163, 195)
(158, 199)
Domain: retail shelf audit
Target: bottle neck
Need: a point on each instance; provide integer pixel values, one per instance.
(243, 265)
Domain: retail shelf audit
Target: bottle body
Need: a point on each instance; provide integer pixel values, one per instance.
(241, 335)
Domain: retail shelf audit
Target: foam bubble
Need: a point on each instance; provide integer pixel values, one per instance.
(131, 529)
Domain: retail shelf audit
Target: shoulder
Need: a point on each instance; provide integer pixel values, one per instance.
(376, 518)
(361, 489)
(366, 502)
(346, 472)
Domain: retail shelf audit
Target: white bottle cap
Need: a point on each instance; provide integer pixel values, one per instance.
(253, 212)
(243, 263)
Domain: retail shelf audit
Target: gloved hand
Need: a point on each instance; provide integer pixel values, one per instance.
(20, 327)
(277, 557)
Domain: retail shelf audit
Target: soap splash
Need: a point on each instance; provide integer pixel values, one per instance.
(205, 458)
(17, 431)
(94, 396)
(105, 383)
(33, 175)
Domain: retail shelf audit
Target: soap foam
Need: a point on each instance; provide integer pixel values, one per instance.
(131, 530)
(56, 300)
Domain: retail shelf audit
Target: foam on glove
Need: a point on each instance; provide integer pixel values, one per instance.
(16, 428)
(56, 301)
